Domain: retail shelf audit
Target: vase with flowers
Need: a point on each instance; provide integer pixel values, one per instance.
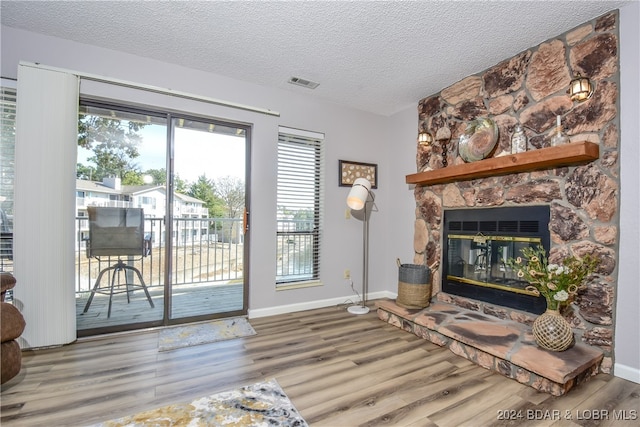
(559, 285)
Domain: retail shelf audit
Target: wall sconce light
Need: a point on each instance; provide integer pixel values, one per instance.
(425, 138)
(580, 88)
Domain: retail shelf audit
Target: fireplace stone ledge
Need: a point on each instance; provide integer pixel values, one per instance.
(502, 346)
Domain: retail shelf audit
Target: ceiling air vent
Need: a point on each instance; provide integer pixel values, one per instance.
(304, 83)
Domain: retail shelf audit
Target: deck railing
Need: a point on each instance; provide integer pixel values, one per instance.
(205, 250)
(297, 251)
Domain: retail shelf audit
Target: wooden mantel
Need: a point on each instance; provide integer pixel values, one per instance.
(544, 158)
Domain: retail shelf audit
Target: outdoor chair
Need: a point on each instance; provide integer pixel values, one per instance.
(117, 232)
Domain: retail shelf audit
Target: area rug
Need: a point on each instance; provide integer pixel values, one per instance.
(203, 333)
(260, 404)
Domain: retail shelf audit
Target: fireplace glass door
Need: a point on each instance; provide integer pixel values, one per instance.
(477, 243)
(482, 260)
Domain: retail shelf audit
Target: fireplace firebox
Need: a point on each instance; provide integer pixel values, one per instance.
(477, 245)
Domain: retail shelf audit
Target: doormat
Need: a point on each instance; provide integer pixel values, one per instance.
(261, 404)
(204, 333)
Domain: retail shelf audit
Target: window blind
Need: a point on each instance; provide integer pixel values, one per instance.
(299, 203)
(44, 220)
(7, 174)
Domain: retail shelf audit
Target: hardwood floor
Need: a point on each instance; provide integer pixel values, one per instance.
(338, 370)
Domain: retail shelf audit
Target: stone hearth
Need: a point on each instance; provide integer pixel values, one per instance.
(500, 345)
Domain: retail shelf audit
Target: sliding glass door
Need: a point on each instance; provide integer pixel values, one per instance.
(208, 248)
(187, 177)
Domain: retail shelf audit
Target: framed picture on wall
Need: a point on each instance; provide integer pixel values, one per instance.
(350, 171)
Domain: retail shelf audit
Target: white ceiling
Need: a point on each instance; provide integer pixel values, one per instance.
(377, 56)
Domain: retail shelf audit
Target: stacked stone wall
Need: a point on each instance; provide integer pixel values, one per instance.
(530, 89)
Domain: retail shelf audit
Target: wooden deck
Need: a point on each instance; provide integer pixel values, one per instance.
(188, 301)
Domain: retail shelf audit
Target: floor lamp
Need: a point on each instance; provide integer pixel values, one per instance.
(360, 197)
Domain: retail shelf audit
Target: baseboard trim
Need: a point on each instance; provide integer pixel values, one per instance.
(626, 372)
(310, 305)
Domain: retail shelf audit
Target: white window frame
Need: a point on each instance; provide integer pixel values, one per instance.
(300, 192)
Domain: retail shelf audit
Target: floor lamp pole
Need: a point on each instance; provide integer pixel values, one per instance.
(363, 309)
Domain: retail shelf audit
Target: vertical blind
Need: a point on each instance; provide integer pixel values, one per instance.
(299, 201)
(44, 220)
(7, 149)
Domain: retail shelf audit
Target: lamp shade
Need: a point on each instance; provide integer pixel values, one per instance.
(359, 193)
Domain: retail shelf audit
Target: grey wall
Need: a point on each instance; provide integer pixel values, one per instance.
(627, 338)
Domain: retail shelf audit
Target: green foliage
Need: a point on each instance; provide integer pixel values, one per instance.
(132, 178)
(84, 172)
(114, 143)
(204, 189)
(159, 176)
(180, 185)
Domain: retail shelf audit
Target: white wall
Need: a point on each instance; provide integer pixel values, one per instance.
(401, 138)
(627, 338)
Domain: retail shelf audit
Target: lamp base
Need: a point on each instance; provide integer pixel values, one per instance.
(358, 309)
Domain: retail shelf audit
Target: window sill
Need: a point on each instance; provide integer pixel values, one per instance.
(298, 285)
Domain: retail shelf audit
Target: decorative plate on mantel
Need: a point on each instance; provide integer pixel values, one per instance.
(479, 139)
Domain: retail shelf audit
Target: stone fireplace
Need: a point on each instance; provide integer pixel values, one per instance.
(581, 199)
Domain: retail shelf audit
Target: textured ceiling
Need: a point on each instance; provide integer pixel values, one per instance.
(377, 56)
